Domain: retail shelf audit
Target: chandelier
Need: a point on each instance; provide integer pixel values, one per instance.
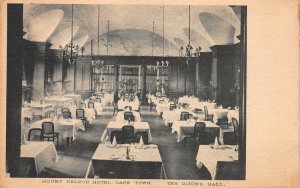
(189, 48)
(70, 52)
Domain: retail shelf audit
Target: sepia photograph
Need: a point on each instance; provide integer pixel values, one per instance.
(106, 93)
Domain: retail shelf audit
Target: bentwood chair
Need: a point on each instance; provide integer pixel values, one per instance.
(66, 114)
(143, 135)
(128, 133)
(231, 138)
(184, 116)
(199, 131)
(80, 115)
(128, 116)
(65, 110)
(35, 134)
(118, 135)
(90, 105)
(208, 117)
(48, 132)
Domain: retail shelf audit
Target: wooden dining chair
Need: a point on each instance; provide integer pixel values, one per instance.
(184, 116)
(48, 132)
(35, 134)
(231, 138)
(80, 115)
(118, 135)
(128, 116)
(65, 110)
(66, 114)
(208, 117)
(199, 132)
(128, 133)
(143, 135)
(90, 105)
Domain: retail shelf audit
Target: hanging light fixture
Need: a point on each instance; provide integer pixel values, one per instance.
(70, 52)
(164, 63)
(98, 63)
(189, 48)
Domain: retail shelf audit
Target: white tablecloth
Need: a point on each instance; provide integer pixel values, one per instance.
(108, 98)
(188, 100)
(135, 104)
(233, 114)
(114, 155)
(210, 157)
(26, 113)
(219, 113)
(75, 97)
(59, 101)
(98, 107)
(162, 107)
(200, 105)
(89, 113)
(137, 116)
(184, 127)
(117, 126)
(40, 109)
(174, 115)
(65, 127)
(43, 153)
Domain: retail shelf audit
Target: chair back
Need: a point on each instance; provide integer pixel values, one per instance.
(199, 128)
(235, 125)
(90, 105)
(128, 116)
(172, 107)
(80, 113)
(66, 114)
(128, 133)
(205, 112)
(35, 134)
(184, 115)
(47, 127)
(118, 135)
(98, 100)
(65, 110)
(199, 131)
(144, 135)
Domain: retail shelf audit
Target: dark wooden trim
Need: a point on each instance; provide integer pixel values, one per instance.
(14, 87)
(243, 91)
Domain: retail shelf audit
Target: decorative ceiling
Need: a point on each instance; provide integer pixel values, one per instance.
(131, 27)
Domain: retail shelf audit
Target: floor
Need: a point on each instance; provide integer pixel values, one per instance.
(178, 158)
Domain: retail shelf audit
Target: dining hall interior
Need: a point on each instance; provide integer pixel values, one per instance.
(126, 91)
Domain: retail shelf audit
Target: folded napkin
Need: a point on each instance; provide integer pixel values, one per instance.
(114, 143)
(216, 144)
(141, 141)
